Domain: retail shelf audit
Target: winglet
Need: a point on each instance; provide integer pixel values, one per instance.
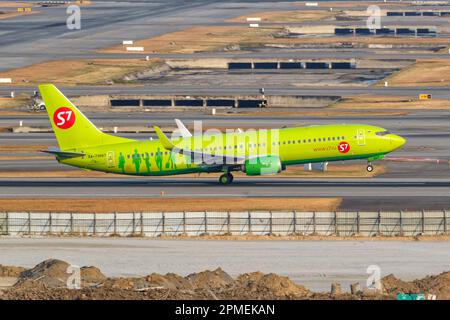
(182, 128)
(164, 140)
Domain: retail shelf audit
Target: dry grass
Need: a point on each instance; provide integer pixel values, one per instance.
(13, 14)
(217, 38)
(10, 103)
(12, 9)
(392, 103)
(14, 149)
(167, 204)
(75, 72)
(422, 73)
(19, 158)
(15, 4)
(198, 39)
(288, 16)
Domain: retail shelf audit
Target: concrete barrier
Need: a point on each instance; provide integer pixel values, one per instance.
(154, 224)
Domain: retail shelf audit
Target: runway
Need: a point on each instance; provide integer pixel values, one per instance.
(314, 264)
(422, 193)
(442, 92)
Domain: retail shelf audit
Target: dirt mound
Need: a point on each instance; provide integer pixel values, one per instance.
(52, 273)
(48, 280)
(392, 285)
(91, 276)
(169, 281)
(271, 285)
(10, 271)
(42, 293)
(210, 279)
(438, 285)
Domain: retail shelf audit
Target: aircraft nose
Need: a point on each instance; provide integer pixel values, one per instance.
(397, 141)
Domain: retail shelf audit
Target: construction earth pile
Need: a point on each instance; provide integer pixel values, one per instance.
(49, 280)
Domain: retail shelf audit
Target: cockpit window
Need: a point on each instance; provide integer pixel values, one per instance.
(382, 133)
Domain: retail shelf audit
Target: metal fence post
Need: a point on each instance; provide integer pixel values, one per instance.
(336, 232)
(95, 223)
(50, 223)
(206, 223)
(163, 223)
(249, 222)
(29, 222)
(358, 227)
(228, 222)
(314, 222)
(141, 219)
(7, 223)
(115, 223)
(71, 223)
(379, 222)
(133, 230)
(401, 222)
(294, 221)
(423, 222)
(270, 222)
(184, 222)
(445, 221)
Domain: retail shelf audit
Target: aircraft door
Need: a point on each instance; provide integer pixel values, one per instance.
(361, 137)
(110, 159)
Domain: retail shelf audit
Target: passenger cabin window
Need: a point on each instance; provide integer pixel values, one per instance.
(382, 133)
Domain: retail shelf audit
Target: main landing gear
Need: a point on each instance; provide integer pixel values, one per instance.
(369, 167)
(226, 178)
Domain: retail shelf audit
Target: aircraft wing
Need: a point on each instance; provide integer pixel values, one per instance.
(203, 158)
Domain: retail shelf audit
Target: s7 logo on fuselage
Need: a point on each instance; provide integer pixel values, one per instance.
(344, 147)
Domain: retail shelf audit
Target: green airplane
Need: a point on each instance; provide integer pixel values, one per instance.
(254, 152)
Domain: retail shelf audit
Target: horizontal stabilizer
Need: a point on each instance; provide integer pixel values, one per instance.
(64, 154)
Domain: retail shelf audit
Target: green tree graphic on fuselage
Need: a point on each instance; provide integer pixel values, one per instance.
(122, 162)
(159, 159)
(171, 161)
(188, 161)
(137, 160)
(147, 162)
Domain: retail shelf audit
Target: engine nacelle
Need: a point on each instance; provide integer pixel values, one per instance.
(262, 166)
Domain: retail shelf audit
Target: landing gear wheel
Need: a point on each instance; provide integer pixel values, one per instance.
(226, 178)
(369, 168)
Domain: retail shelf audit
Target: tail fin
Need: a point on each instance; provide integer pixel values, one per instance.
(72, 129)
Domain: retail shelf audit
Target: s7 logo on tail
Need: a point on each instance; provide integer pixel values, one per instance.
(64, 118)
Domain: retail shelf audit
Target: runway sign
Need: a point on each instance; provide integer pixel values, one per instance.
(424, 96)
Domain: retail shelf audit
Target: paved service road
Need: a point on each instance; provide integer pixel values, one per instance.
(312, 263)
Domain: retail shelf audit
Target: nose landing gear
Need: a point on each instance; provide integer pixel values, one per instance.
(226, 178)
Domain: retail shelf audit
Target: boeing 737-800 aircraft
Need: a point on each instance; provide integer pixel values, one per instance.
(254, 152)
